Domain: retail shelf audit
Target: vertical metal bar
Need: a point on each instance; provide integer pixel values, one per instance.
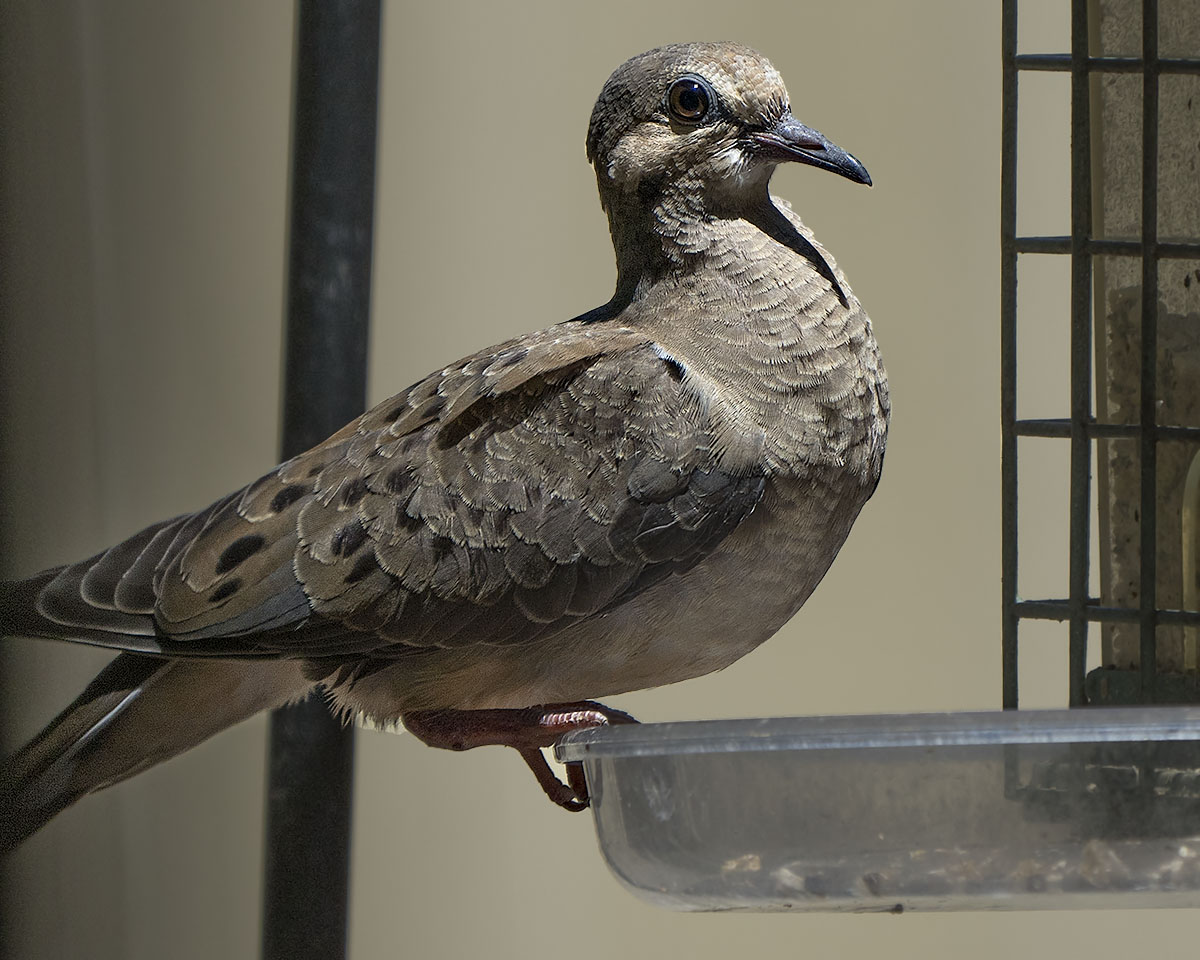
(307, 853)
(1081, 347)
(1190, 552)
(1148, 443)
(1008, 356)
(1105, 447)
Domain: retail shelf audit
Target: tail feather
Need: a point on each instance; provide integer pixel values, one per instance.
(35, 607)
(139, 711)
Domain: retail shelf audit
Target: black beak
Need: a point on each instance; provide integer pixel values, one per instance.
(789, 139)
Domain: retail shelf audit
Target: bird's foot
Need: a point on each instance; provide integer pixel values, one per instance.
(527, 731)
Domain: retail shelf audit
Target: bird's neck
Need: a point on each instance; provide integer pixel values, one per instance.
(685, 231)
(668, 233)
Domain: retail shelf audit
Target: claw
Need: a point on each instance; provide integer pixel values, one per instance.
(566, 795)
(526, 730)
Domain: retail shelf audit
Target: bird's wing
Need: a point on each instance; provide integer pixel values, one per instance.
(528, 486)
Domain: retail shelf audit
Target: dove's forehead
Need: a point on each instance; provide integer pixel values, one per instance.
(744, 79)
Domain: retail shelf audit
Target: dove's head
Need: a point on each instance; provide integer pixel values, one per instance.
(709, 121)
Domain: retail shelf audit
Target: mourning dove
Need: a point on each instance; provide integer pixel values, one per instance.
(636, 496)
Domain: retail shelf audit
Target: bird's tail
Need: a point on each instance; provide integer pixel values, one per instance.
(139, 711)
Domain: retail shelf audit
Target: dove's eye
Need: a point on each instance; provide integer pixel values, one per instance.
(688, 99)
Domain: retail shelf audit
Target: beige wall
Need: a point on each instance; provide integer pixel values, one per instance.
(144, 158)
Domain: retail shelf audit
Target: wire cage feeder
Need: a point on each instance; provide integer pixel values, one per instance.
(1076, 808)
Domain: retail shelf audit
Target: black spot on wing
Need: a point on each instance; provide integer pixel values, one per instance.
(432, 408)
(348, 539)
(287, 496)
(240, 550)
(408, 523)
(354, 491)
(362, 568)
(399, 480)
(225, 590)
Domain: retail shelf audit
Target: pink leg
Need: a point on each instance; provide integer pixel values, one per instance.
(526, 730)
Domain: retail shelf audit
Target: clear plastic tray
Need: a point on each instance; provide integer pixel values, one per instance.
(1091, 808)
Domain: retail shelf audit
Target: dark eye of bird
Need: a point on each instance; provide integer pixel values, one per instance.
(688, 100)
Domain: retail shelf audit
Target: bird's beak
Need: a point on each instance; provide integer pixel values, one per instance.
(789, 139)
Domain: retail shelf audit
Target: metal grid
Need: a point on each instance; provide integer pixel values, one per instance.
(1081, 428)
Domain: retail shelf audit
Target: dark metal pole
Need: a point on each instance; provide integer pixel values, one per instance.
(1081, 349)
(1008, 356)
(1148, 442)
(329, 284)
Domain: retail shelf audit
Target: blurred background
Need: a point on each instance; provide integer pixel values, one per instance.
(143, 184)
